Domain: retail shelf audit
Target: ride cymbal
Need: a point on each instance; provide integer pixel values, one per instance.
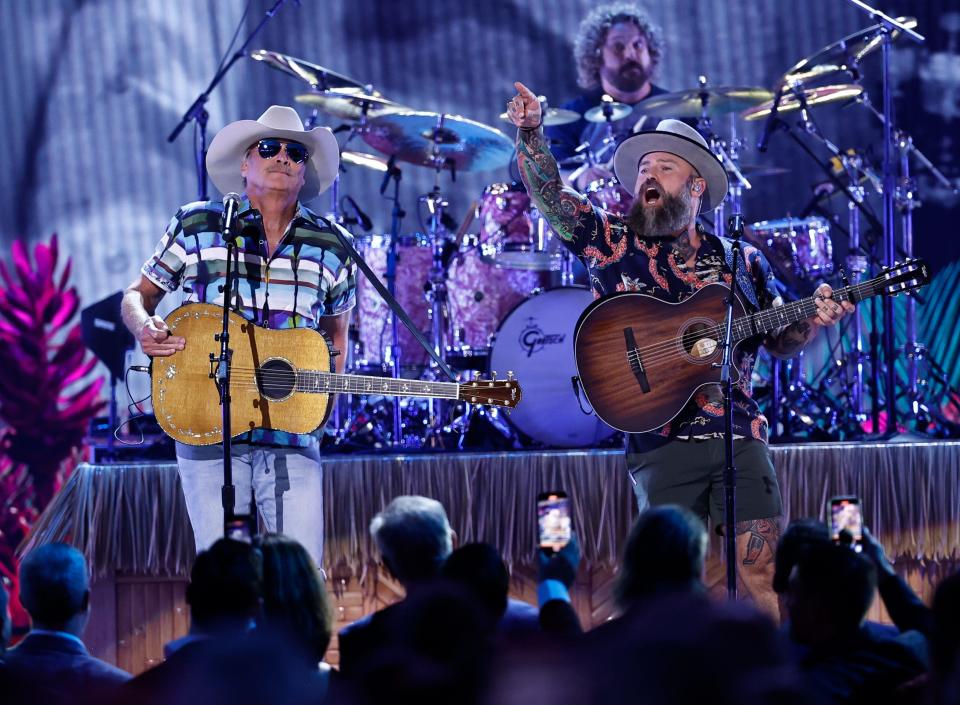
(813, 96)
(439, 140)
(350, 103)
(552, 117)
(718, 100)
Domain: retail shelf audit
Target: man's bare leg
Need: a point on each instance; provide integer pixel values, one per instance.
(756, 546)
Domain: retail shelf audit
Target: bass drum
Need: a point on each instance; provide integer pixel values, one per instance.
(535, 342)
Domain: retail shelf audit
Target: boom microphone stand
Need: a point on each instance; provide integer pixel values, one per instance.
(197, 111)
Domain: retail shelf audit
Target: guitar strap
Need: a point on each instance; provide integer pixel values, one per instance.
(744, 280)
(371, 276)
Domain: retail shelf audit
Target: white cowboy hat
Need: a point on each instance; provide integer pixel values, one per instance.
(674, 137)
(230, 144)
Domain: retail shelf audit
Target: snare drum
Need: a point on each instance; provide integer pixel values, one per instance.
(414, 257)
(512, 234)
(800, 246)
(535, 342)
(610, 195)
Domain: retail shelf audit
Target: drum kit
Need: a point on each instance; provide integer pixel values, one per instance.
(499, 292)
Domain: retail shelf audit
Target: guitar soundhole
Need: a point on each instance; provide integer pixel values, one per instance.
(699, 341)
(276, 379)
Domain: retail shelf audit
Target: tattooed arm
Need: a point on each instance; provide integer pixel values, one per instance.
(789, 340)
(569, 213)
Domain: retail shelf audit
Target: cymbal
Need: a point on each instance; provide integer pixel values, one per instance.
(844, 54)
(813, 96)
(553, 117)
(761, 170)
(350, 103)
(618, 111)
(318, 76)
(439, 140)
(689, 103)
(368, 161)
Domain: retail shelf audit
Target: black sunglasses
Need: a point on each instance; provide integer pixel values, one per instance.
(270, 148)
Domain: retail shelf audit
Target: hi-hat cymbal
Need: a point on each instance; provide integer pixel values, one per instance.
(690, 103)
(553, 117)
(616, 111)
(762, 170)
(439, 141)
(813, 96)
(843, 55)
(367, 161)
(351, 103)
(317, 76)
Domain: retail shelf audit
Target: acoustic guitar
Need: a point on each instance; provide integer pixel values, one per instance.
(640, 359)
(279, 379)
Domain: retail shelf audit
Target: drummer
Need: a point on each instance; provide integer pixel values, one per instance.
(618, 50)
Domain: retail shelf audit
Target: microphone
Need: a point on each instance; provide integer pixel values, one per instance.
(772, 121)
(391, 171)
(228, 222)
(364, 219)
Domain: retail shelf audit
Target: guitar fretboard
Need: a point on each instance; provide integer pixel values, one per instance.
(773, 318)
(313, 381)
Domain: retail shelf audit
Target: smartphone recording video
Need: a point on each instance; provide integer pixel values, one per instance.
(846, 515)
(553, 519)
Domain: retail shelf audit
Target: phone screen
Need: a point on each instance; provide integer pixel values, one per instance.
(846, 513)
(238, 530)
(553, 519)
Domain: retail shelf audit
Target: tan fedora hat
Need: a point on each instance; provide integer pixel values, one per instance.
(678, 138)
(279, 121)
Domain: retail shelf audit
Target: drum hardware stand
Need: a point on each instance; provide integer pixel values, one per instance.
(730, 160)
(197, 112)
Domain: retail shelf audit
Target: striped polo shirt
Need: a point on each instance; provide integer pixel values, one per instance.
(308, 276)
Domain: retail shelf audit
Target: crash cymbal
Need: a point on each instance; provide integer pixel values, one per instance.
(689, 103)
(350, 103)
(367, 161)
(553, 117)
(616, 111)
(761, 170)
(318, 76)
(843, 55)
(813, 96)
(439, 141)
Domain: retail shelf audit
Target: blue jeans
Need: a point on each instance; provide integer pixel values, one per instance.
(287, 484)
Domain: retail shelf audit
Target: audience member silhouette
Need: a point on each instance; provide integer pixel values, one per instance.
(829, 592)
(52, 663)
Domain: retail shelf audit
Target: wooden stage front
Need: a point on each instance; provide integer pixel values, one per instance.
(131, 522)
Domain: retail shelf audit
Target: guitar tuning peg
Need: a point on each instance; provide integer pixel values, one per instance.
(510, 375)
(493, 376)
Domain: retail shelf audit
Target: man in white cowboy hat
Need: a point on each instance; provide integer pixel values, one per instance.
(659, 248)
(293, 273)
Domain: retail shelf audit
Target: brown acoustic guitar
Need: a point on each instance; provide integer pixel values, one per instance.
(640, 359)
(279, 379)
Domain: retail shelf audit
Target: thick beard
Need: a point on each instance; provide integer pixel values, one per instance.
(624, 81)
(672, 216)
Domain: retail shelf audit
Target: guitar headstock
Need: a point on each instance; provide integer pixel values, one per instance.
(492, 392)
(903, 277)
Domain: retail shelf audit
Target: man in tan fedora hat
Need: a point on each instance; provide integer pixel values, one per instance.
(659, 248)
(293, 274)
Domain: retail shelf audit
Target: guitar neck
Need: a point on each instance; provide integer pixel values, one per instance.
(772, 318)
(316, 382)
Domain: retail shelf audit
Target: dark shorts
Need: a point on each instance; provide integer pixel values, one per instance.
(690, 473)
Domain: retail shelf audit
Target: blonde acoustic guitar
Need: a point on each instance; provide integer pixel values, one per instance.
(280, 379)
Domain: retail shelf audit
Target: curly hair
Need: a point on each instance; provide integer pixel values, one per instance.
(587, 47)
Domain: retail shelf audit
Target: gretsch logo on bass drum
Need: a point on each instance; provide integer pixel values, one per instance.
(533, 339)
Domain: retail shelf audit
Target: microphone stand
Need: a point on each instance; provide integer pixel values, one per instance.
(726, 381)
(396, 351)
(197, 111)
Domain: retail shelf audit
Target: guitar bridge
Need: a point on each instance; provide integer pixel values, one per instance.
(636, 362)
